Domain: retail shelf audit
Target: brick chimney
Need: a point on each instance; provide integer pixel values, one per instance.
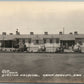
(10, 33)
(46, 33)
(75, 33)
(60, 33)
(31, 33)
(71, 33)
(3, 33)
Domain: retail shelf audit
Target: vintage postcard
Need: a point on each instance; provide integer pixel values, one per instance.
(42, 41)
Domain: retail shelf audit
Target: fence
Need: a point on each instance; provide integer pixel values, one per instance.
(35, 49)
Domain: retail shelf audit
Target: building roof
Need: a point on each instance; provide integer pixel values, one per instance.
(67, 37)
(7, 37)
(41, 36)
(11, 37)
(79, 36)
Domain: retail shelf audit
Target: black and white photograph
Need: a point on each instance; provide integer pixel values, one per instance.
(42, 41)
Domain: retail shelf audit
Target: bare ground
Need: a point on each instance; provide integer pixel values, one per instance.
(42, 63)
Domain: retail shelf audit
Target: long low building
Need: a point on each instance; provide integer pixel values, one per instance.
(32, 40)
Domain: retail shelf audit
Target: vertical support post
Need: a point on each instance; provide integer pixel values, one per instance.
(63, 30)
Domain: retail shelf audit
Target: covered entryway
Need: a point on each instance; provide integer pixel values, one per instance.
(7, 43)
(67, 43)
(67, 40)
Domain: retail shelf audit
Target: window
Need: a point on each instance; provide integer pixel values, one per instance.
(37, 41)
(44, 40)
(17, 40)
(57, 40)
(51, 41)
(23, 40)
(29, 40)
(80, 42)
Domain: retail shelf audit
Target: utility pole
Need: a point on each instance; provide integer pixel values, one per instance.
(63, 30)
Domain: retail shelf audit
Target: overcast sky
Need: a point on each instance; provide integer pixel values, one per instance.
(41, 16)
